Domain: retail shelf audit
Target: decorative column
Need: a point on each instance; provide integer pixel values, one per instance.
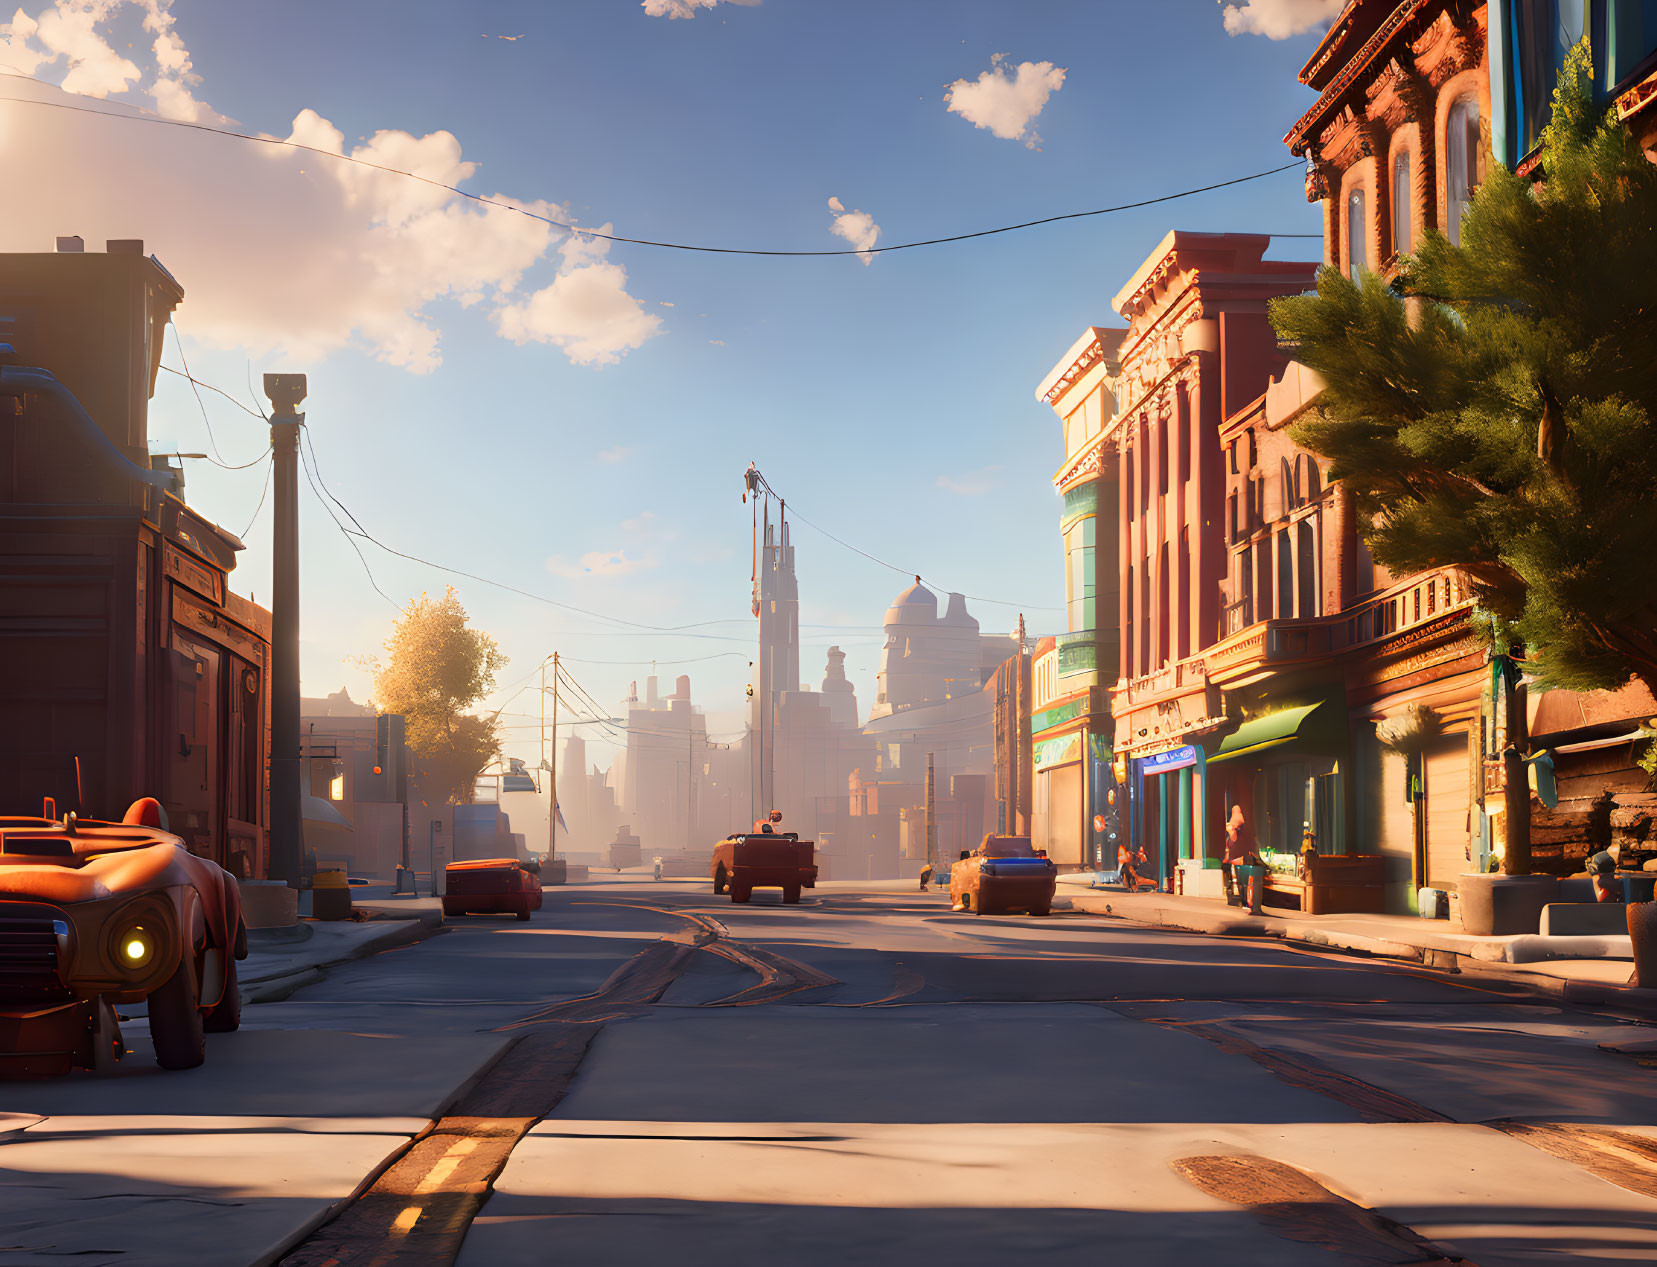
(1204, 618)
(1124, 558)
(1159, 536)
(1179, 611)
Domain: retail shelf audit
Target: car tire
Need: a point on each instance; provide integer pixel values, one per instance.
(1043, 909)
(966, 903)
(523, 917)
(721, 881)
(226, 1016)
(791, 895)
(740, 894)
(175, 1019)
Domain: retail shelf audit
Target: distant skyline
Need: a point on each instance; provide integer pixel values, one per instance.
(571, 417)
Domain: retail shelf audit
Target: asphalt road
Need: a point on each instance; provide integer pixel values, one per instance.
(647, 1073)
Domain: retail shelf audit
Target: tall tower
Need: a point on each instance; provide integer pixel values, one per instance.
(779, 654)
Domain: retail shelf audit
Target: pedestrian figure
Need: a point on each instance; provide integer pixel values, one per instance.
(658, 870)
(926, 876)
(1239, 852)
(1127, 867)
(1602, 867)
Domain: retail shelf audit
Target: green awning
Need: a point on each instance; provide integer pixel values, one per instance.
(1271, 731)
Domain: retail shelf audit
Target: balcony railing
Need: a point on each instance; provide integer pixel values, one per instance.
(1403, 607)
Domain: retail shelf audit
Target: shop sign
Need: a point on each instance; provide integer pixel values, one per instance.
(1057, 716)
(1172, 759)
(1051, 752)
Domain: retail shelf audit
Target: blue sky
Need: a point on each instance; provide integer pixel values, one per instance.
(462, 410)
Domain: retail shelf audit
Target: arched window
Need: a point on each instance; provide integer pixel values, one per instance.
(1285, 576)
(1288, 477)
(1463, 163)
(1356, 261)
(1306, 548)
(1314, 480)
(1401, 203)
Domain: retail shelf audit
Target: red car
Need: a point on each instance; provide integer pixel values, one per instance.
(763, 860)
(93, 914)
(492, 886)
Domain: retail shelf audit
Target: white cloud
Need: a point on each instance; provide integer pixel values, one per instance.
(684, 8)
(1278, 19)
(857, 227)
(597, 563)
(1006, 101)
(617, 453)
(639, 531)
(280, 250)
(973, 483)
(586, 311)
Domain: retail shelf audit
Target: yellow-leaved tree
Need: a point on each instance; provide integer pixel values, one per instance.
(435, 668)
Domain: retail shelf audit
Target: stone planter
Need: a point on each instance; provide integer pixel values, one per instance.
(1642, 931)
(1502, 905)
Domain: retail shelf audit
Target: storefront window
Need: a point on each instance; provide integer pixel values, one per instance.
(1626, 31)
(1540, 34)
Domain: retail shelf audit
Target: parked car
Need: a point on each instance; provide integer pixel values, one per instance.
(492, 886)
(94, 914)
(1003, 874)
(763, 860)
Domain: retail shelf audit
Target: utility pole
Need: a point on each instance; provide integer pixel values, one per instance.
(690, 782)
(931, 815)
(552, 767)
(286, 391)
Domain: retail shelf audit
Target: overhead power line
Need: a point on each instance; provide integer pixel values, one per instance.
(503, 205)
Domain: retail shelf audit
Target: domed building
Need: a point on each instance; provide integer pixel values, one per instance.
(930, 658)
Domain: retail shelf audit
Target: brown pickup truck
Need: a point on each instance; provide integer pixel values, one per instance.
(763, 860)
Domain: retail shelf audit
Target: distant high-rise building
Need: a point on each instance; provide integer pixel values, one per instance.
(778, 669)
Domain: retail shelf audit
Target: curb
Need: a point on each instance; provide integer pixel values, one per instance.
(282, 982)
(1632, 1000)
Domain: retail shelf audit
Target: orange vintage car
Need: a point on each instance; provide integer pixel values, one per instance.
(492, 886)
(93, 914)
(1003, 874)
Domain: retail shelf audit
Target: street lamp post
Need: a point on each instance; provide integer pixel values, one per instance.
(286, 391)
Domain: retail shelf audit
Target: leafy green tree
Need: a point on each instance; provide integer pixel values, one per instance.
(436, 668)
(1493, 409)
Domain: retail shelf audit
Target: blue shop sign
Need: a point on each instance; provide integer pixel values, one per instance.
(1173, 759)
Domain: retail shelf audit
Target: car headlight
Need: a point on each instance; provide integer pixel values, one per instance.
(135, 947)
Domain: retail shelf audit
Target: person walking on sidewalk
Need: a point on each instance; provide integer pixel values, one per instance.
(1239, 852)
(926, 876)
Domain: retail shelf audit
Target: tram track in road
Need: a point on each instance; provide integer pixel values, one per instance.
(416, 1210)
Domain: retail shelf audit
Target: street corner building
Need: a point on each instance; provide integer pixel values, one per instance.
(128, 668)
(1230, 642)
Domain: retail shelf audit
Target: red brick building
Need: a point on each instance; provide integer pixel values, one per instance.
(127, 666)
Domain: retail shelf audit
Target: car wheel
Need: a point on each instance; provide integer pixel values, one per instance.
(175, 1019)
(523, 917)
(1043, 909)
(226, 1016)
(966, 903)
(791, 895)
(741, 895)
(721, 881)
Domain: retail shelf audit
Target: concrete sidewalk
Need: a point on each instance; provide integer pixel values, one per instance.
(1590, 970)
(280, 960)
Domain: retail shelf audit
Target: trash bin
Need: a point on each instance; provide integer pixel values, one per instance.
(1252, 880)
(330, 895)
